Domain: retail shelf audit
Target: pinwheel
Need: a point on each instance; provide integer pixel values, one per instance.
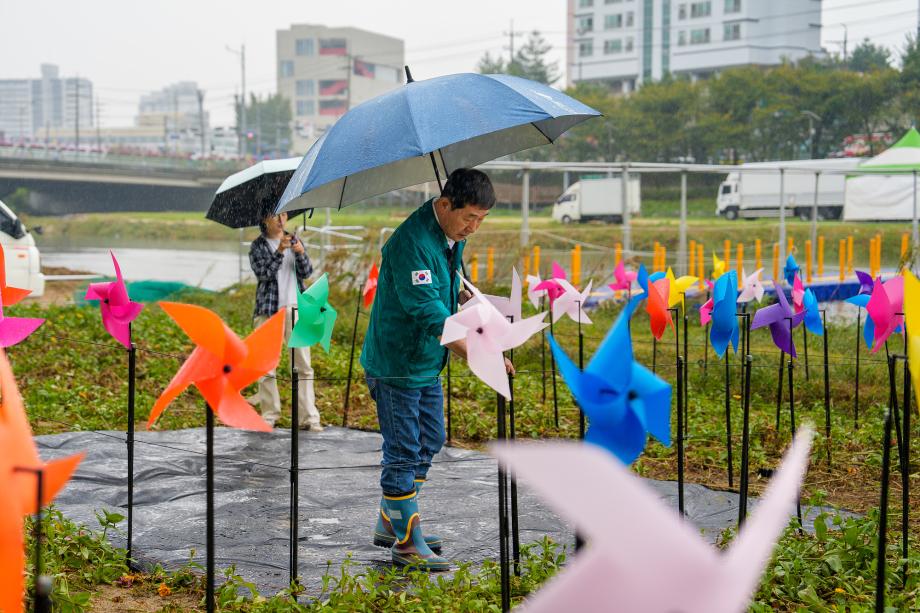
(488, 334)
(370, 286)
(571, 303)
(656, 304)
(912, 317)
(885, 308)
(510, 307)
(813, 321)
(798, 294)
(781, 319)
(14, 330)
(677, 288)
(865, 282)
(718, 267)
(13, 559)
(724, 320)
(751, 287)
(118, 311)
(706, 312)
(624, 278)
(623, 400)
(551, 286)
(534, 294)
(315, 316)
(862, 301)
(9, 295)
(22, 452)
(221, 364)
(791, 269)
(641, 555)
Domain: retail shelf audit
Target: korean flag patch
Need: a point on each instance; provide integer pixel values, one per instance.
(421, 277)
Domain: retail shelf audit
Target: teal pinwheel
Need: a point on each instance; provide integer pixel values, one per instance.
(315, 316)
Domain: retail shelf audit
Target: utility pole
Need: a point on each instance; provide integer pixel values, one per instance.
(76, 89)
(845, 35)
(511, 34)
(258, 104)
(176, 120)
(201, 120)
(242, 123)
(98, 130)
(349, 68)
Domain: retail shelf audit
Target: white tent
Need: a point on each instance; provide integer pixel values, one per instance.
(886, 196)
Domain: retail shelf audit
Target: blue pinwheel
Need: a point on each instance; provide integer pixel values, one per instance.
(791, 269)
(724, 320)
(813, 321)
(866, 285)
(623, 400)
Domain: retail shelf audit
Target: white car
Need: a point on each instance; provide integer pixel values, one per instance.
(23, 262)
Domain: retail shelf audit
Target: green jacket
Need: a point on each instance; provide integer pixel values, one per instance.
(413, 300)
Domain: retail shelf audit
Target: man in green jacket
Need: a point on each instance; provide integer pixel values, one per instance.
(418, 288)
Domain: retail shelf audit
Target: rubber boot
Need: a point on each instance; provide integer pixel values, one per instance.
(383, 531)
(410, 548)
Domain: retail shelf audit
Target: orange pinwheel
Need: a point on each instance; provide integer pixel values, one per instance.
(12, 560)
(221, 365)
(656, 302)
(370, 286)
(20, 449)
(9, 295)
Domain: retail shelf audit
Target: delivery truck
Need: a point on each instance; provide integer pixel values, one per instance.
(600, 199)
(757, 193)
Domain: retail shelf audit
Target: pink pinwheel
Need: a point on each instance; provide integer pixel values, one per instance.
(642, 556)
(886, 309)
(534, 294)
(488, 334)
(706, 312)
(118, 311)
(14, 330)
(798, 294)
(551, 286)
(509, 307)
(571, 303)
(781, 319)
(624, 278)
(751, 288)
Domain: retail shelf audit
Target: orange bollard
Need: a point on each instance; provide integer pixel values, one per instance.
(617, 255)
(701, 265)
(790, 245)
(655, 255)
(727, 248)
(490, 264)
(691, 259)
(850, 254)
(843, 259)
(776, 260)
(820, 256)
(904, 242)
(664, 259)
(758, 260)
(536, 260)
(878, 254)
(808, 261)
(526, 259)
(474, 268)
(576, 265)
(739, 260)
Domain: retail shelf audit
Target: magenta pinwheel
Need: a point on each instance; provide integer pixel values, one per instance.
(118, 311)
(624, 278)
(14, 330)
(886, 309)
(781, 319)
(488, 335)
(551, 286)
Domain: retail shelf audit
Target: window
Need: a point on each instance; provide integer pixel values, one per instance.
(306, 108)
(629, 44)
(332, 107)
(732, 31)
(612, 1)
(732, 6)
(613, 46)
(583, 4)
(630, 19)
(726, 189)
(612, 22)
(585, 48)
(682, 11)
(681, 38)
(286, 67)
(699, 36)
(701, 9)
(304, 46)
(585, 23)
(305, 87)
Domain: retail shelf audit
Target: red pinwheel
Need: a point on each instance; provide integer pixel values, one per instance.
(656, 302)
(118, 311)
(370, 286)
(221, 365)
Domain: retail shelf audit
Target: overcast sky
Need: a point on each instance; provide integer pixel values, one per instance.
(129, 47)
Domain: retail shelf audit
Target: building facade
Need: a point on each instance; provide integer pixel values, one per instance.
(30, 107)
(622, 43)
(175, 106)
(325, 71)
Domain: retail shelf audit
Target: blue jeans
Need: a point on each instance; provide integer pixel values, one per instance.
(412, 425)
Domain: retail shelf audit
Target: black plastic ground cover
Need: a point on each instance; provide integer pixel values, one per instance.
(339, 493)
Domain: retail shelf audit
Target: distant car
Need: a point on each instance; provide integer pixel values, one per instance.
(23, 262)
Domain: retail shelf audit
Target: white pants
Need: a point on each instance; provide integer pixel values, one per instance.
(267, 397)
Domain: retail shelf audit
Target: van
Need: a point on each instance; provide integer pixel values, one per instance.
(600, 199)
(23, 262)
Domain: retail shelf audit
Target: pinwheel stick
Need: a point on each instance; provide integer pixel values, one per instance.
(294, 472)
(581, 366)
(209, 508)
(791, 366)
(903, 453)
(686, 376)
(680, 439)
(880, 562)
(543, 355)
(779, 388)
(728, 419)
(129, 441)
(856, 390)
(745, 441)
(515, 528)
(805, 349)
(351, 360)
(905, 470)
(827, 391)
(504, 558)
(41, 592)
(654, 355)
(552, 365)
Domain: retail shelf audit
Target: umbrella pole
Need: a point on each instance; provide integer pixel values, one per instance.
(745, 442)
(827, 392)
(209, 508)
(728, 418)
(351, 361)
(129, 441)
(856, 390)
(680, 438)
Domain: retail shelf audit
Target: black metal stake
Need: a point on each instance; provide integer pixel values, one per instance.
(294, 474)
(686, 377)
(129, 441)
(745, 442)
(41, 586)
(654, 355)
(779, 388)
(728, 418)
(581, 366)
(209, 508)
(905, 474)
(680, 438)
(515, 528)
(351, 361)
(504, 562)
(543, 355)
(856, 391)
(880, 561)
(827, 392)
(805, 350)
(798, 499)
(552, 365)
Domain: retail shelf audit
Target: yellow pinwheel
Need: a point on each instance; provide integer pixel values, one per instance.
(912, 319)
(718, 266)
(678, 287)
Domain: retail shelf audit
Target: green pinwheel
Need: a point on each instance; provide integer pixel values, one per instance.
(315, 316)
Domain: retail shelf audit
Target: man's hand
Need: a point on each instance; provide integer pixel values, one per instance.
(509, 367)
(464, 295)
(298, 247)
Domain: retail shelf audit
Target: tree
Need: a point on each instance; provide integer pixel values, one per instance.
(868, 56)
(910, 80)
(529, 62)
(268, 122)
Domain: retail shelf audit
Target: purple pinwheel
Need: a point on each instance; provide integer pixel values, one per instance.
(778, 316)
(865, 282)
(117, 309)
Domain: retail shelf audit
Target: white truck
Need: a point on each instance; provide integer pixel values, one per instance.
(597, 199)
(23, 263)
(757, 193)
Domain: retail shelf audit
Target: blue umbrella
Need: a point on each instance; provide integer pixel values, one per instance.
(424, 130)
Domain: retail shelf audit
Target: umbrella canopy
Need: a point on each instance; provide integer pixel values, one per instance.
(245, 198)
(423, 131)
